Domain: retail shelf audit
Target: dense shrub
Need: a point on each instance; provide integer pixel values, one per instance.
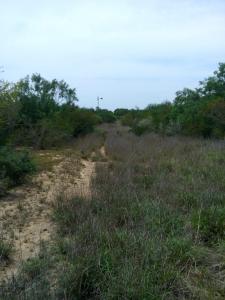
(105, 115)
(143, 126)
(14, 166)
(83, 122)
(119, 112)
(127, 119)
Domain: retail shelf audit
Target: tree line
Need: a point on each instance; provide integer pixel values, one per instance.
(40, 113)
(194, 112)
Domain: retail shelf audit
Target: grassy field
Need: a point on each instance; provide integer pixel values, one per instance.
(153, 228)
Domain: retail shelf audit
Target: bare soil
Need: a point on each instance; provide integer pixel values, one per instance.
(25, 214)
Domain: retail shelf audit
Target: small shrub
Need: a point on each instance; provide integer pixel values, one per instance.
(14, 166)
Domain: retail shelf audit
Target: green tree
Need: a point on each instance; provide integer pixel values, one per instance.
(9, 110)
(40, 100)
(214, 85)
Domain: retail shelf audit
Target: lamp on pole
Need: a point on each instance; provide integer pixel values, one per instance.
(98, 101)
(1, 71)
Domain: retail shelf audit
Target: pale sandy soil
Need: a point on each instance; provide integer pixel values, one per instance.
(102, 152)
(25, 214)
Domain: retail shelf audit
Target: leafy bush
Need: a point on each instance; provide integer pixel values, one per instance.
(106, 115)
(119, 112)
(83, 122)
(143, 126)
(127, 119)
(14, 166)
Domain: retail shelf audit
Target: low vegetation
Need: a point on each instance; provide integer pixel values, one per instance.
(152, 229)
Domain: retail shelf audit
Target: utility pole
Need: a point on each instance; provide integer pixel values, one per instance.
(1, 71)
(98, 102)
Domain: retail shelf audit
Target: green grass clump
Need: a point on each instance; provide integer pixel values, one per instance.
(210, 224)
(31, 280)
(34, 267)
(5, 250)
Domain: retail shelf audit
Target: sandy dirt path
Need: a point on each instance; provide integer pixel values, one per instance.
(25, 215)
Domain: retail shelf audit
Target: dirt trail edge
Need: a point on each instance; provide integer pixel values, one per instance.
(25, 215)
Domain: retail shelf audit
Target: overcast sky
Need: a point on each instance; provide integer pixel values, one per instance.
(131, 52)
